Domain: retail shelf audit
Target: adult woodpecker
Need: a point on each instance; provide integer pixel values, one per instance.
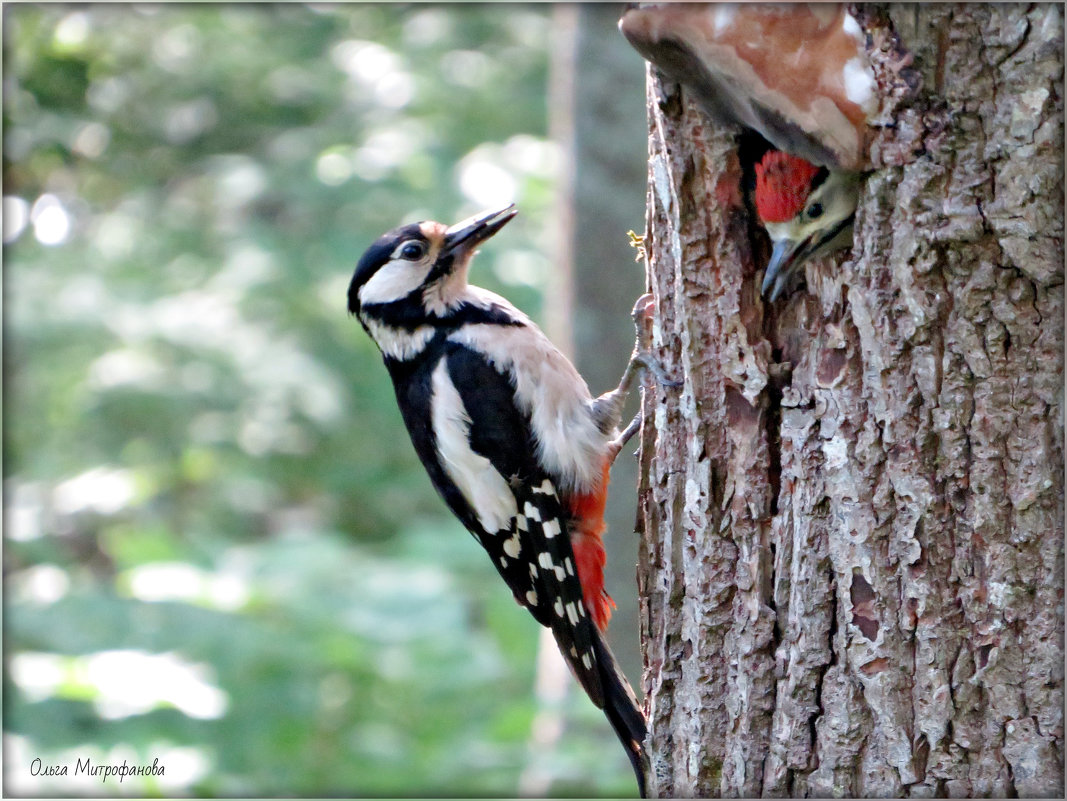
(510, 436)
(807, 211)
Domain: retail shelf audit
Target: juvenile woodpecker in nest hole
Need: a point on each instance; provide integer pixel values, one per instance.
(800, 77)
(510, 436)
(807, 211)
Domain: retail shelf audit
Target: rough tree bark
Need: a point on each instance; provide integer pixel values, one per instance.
(852, 510)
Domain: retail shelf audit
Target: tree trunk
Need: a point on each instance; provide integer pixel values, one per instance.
(852, 510)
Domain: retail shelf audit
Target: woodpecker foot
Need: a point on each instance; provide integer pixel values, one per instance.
(642, 314)
(607, 409)
(625, 436)
(653, 366)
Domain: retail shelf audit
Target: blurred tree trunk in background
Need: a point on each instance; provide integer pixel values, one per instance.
(852, 581)
(597, 117)
(604, 160)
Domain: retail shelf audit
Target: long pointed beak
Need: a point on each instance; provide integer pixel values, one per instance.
(469, 233)
(780, 265)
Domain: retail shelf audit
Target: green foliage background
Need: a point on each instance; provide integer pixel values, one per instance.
(220, 550)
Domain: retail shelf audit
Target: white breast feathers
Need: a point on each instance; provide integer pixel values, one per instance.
(552, 393)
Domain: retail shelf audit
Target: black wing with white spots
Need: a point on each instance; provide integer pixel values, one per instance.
(533, 555)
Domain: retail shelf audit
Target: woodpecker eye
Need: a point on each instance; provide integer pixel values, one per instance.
(815, 211)
(412, 251)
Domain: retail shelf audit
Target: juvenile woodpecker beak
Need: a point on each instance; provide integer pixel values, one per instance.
(780, 266)
(466, 235)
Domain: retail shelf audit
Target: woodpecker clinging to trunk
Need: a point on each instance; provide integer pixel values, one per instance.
(799, 76)
(510, 436)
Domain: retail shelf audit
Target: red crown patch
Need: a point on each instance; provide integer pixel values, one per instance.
(783, 183)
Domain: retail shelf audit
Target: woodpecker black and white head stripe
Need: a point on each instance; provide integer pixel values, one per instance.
(392, 268)
(423, 264)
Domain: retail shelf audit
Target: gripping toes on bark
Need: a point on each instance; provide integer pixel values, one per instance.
(625, 436)
(608, 407)
(642, 314)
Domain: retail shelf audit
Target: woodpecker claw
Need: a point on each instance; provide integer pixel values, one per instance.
(643, 307)
(607, 409)
(652, 365)
(642, 314)
(625, 436)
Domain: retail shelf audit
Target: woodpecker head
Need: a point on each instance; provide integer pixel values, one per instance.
(419, 270)
(807, 211)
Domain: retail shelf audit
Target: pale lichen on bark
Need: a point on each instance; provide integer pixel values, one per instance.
(852, 579)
